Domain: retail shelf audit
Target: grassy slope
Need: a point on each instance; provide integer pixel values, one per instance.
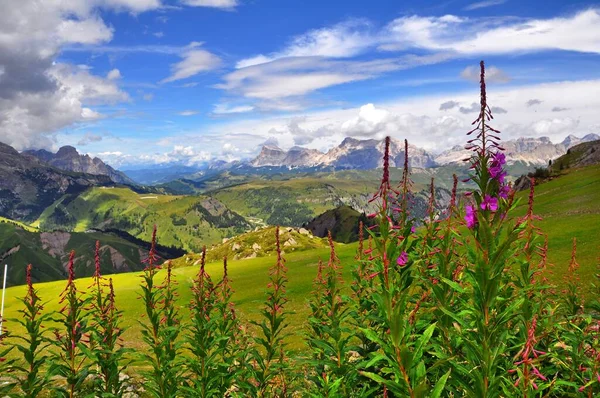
(570, 207)
(181, 223)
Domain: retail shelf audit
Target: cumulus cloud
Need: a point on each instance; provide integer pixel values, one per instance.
(492, 74)
(114, 74)
(534, 102)
(195, 61)
(39, 95)
(559, 109)
(448, 105)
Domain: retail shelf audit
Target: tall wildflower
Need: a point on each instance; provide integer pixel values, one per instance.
(72, 335)
(333, 374)
(108, 352)
(401, 336)
(32, 379)
(160, 330)
(201, 336)
(227, 335)
(490, 301)
(269, 356)
(5, 364)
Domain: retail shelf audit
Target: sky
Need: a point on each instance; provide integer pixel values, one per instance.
(156, 82)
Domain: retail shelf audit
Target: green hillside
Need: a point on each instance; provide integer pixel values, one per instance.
(48, 252)
(570, 207)
(185, 221)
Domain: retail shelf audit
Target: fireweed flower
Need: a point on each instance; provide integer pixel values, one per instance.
(504, 191)
(470, 216)
(489, 203)
(402, 259)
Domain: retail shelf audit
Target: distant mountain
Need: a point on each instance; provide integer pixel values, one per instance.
(67, 158)
(367, 154)
(580, 155)
(532, 151)
(350, 154)
(28, 185)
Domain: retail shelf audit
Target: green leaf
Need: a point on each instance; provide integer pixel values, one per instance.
(439, 386)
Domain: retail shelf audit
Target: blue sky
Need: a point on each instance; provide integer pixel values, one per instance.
(140, 82)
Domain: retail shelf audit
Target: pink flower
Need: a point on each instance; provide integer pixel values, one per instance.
(402, 259)
(412, 229)
(489, 203)
(470, 216)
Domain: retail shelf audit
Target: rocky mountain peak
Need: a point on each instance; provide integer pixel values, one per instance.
(67, 158)
(67, 151)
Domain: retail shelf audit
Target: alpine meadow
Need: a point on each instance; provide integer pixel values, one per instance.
(234, 198)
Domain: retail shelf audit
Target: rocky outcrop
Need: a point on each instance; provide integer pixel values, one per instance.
(68, 159)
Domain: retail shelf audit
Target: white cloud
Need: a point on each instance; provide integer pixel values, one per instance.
(223, 4)
(38, 95)
(578, 32)
(148, 97)
(298, 76)
(492, 74)
(224, 109)
(134, 6)
(187, 113)
(114, 74)
(343, 40)
(194, 61)
(484, 4)
(87, 31)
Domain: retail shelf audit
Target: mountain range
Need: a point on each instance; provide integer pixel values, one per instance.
(367, 154)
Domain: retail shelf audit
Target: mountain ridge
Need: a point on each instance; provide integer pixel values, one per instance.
(67, 158)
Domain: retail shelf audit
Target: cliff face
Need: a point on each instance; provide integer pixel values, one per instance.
(68, 159)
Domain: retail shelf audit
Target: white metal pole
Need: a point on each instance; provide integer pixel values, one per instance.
(3, 291)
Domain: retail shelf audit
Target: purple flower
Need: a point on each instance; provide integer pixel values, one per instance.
(412, 229)
(489, 203)
(495, 169)
(504, 191)
(402, 259)
(471, 216)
